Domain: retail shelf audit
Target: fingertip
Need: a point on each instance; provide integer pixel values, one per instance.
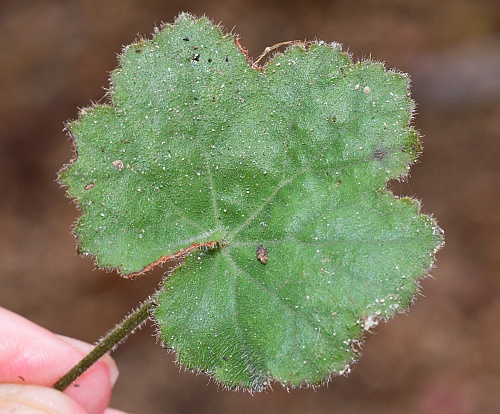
(113, 411)
(34, 399)
(33, 355)
(92, 390)
(107, 360)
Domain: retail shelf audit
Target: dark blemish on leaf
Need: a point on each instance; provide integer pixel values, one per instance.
(327, 173)
(339, 182)
(186, 39)
(227, 58)
(213, 99)
(224, 357)
(89, 186)
(102, 149)
(334, 118)
(209, 60)
(196, 57)
(261, 253)
(380, 154)
(342, 71)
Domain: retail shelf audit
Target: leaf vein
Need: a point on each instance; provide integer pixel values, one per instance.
(258, 209)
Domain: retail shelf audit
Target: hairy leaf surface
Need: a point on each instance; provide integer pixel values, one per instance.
(271, 182)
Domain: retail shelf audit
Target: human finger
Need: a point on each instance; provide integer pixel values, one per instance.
(35, 399)
(30, 354)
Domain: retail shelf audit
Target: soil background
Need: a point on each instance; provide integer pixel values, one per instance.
(441, 358)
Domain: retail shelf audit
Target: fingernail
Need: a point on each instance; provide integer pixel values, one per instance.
(113, 369)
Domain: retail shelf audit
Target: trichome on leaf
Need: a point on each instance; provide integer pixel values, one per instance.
(199, 147)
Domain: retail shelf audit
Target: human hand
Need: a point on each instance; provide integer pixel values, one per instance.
(32, 359)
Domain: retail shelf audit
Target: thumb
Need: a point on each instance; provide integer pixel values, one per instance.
(34, 399)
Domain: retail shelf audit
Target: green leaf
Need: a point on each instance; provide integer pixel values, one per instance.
(271, 182)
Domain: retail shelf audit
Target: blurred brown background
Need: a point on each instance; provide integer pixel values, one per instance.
(442, 357)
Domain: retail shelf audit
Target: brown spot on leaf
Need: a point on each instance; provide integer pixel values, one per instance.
(380, 154)
(261, 253)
